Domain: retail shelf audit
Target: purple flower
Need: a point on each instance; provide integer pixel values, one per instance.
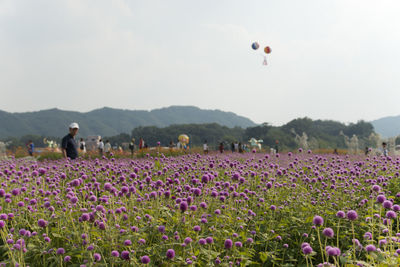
(145, 259)
(318, 220)
(380, 198)
(307, 250)
(238, 244)
(391, 214)
(187, 240)
(387, 204)
(42, 223)
(333, 252)
(97, 256)
(115, 253)
(67, 258)
(127, 242)
(209, 240)
(124, 254)
(328, 232)
(2, 224)
(60, 251)
(197, 228)
(183, 206)
(340, 214)
(202, 241)
(370, 248)
(352, 215)
(368, 236)
(228, 244)
(161, 229)
(170, 254)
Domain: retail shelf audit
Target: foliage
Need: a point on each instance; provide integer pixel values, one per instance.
(231, 209)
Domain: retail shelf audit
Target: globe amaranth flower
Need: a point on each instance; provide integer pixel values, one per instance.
(202, 241)
(124, 255)
(387, 204)
(170, 254)
(307, 250)
(380, 198)
(391, 214)
(60, 251)
(114, 253)
(333, 251)
(42, 223)
(209, 240)
(328, 232)
(183, 206)
(228, 243)
(368, 236)
(318, 220)
(145, 259)
(238, 244)
(97, 256)
(352, 215)
(370, 248)
(340, 214)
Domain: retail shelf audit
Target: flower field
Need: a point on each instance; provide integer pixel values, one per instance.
(294, 209)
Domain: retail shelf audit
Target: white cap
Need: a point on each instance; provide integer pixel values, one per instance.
(74, 125)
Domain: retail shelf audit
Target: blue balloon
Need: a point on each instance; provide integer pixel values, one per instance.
(255, 45)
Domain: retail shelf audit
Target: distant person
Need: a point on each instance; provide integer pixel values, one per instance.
(107, 148)
(31, 147)
(240, 148)
(276, 146)
(141, 143)
(69, 146)
(236, 147)
(171, 145)
(205, 147)
(233, 147)
(384, 149)
(366, 151)
(221, 147)
(101, 147)
(132, 146)
(82, 146)
(335, 151)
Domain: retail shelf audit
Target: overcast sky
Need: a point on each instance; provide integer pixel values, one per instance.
(330, 59)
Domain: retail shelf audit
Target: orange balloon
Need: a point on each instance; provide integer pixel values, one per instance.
(267, 50)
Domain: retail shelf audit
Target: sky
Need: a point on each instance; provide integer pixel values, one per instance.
(330, 59)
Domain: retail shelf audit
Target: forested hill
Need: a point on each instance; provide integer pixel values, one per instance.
(109, 121)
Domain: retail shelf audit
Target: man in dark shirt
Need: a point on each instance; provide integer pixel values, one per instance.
(68, 144)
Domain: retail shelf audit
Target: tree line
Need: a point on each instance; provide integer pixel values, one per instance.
(321, 134)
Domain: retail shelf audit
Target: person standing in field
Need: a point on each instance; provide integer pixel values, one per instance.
(101, 147)
(384, 149)
(82, 146)
(69, 146)
(132, 146)
(221, 147)
(31, 147)
(205, 147)
(141, 143)
(107, 148)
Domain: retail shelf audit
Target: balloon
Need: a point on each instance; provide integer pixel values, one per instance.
(267, 50)
(255, 45)
(183, 138)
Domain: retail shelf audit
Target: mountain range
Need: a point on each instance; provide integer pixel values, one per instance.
(387, 126)
(109, 121)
